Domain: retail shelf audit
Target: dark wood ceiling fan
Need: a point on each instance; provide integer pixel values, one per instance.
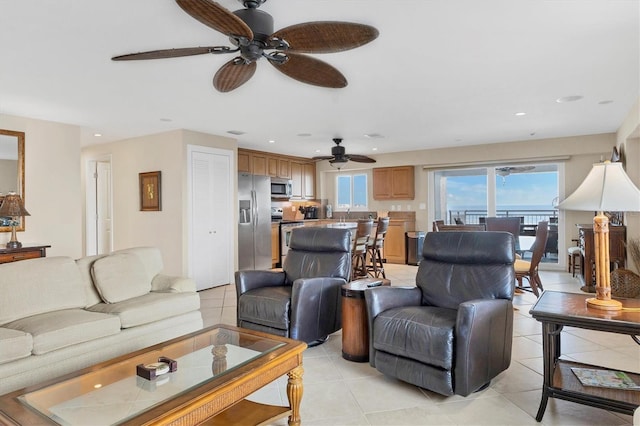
(250, 31)
(339, 157)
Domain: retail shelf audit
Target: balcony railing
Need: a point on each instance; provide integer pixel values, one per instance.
(528, 217)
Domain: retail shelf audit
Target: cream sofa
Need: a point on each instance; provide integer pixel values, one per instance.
(58, 314)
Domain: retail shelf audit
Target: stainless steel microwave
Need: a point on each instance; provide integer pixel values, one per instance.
(281, 189)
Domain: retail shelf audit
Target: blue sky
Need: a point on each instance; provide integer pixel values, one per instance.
(519, 189)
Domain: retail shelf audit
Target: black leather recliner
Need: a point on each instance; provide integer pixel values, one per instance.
(452, 333)
(303, 301)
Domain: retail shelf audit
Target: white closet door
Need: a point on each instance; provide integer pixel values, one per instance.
(211, 239)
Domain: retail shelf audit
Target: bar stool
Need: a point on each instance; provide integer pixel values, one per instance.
(375, 268)
(359, 251)
(574, 259)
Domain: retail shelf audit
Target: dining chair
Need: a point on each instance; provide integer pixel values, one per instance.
(360, 246)
(506, 224)
(436, 224)
(529, 269)
(375, 267)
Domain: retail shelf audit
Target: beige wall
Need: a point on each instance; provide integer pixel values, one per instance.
(52, 185)
(166, 152)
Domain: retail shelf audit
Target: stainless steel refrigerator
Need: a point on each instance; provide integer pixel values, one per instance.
(254, 222)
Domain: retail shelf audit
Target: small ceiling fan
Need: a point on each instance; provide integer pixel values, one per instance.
(506, 171)
(339, 157)
(250, 31)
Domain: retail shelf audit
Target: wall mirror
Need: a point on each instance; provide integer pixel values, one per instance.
(12, 169)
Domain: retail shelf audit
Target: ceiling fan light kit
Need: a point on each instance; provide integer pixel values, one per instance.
(251, 32)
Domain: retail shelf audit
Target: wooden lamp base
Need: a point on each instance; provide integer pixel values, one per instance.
(604, 305)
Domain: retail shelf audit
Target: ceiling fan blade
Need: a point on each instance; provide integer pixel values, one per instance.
(326, 36)
(173, 53)
(360, 158)
(217, 17)
(233, 74)
(323, 157)
(311, 71)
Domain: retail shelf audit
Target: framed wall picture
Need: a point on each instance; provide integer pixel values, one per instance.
(150, 192)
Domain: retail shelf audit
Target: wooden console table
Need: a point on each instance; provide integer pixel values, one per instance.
(558, 309)
(22, 253)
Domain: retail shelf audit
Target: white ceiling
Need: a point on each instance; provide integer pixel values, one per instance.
(441, 73)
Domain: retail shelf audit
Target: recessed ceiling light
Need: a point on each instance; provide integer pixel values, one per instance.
(272, 141)
(608, 101)
(520, 114)
(236, 132)
(374, 149)
(373, 135)
(317, 150)
(572, 98)
(97, 135)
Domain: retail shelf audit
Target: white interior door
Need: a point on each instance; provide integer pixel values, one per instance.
(211, 240)
(98, 196)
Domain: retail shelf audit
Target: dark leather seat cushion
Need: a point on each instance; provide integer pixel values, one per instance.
(268, 306)
(423, 333)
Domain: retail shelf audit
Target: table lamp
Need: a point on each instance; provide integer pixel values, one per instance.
(12, 207)
(606, 188)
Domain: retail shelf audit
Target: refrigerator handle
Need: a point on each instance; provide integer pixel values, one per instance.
(254, 206)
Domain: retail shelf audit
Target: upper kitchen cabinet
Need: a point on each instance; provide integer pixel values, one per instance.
(303, 176)
(394, 183)
(263, 164)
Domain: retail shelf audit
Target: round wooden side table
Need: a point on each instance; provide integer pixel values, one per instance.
(355, 329)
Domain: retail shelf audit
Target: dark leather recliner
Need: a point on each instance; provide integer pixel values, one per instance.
(452, 333)
(303, 301)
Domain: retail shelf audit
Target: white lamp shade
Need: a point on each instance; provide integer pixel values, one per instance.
(606, 188)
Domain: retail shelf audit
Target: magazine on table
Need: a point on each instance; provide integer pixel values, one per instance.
(605, 378)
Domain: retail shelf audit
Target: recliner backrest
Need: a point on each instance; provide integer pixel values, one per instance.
(461, 266)
(318, 252)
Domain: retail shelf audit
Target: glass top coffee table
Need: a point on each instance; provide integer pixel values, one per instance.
(215, 369)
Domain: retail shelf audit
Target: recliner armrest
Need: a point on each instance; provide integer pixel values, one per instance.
(380, 299)
(172, 284)
(484, 333)
(248, 280)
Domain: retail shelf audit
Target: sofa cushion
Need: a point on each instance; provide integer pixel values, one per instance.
(35, 286)
(91, 292)
(59, 329)
(150, 307)
(150, 257)
(269, 306)
(120, 277)
(14, 344)
(422, 333)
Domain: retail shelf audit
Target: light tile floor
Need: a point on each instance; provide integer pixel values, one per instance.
(340, 392)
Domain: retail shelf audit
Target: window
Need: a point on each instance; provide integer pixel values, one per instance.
(351, 192)
(526, 191)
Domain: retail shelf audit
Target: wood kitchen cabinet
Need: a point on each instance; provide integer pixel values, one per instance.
(265, 163)
(303, 176)
(394, 183)
(394, 242)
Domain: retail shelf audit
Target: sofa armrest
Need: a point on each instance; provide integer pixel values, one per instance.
(484, 333)
(172, 284)
(248, 280)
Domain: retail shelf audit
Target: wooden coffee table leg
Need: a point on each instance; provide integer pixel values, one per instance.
(294, 393)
